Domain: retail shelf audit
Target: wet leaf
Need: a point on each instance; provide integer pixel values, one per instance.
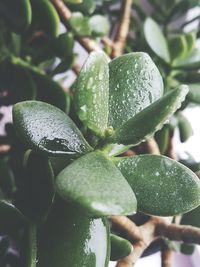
(73, 239)
(17, 14)
(156, 39)
(135, 83)
(120, 247)
(92, 93)
(163, 187)
(148, 121)
(48, 129)
(92, 182)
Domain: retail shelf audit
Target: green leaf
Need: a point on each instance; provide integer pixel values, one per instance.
(11, 219)
(80, 24)
(163, 187)
(156, 40)
(47, 129)
(194, 93)
(191, 40)
(64, 45)
(187, 249)
(86, 7)
(192, 218)
(148, 121)
(45, 17)
(120, 247)
(36, 190)
(135, 83)
(92, 182)
(99, 25)
(92, 92)
(20, 87)
(50, 91)
(185, 128)
(17, 14)
(162, 138)
(178, 46)
(192, 61)
(7, 180)
(70, 238)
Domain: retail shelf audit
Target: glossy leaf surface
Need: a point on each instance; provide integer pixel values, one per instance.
(17, 14)
(135, 83)
(70, 238)
(46, 128)
(156, 40)
(148, 121)
(92, 182)
(92, 92)
(36, 190)
(162, 186)
(120, 247)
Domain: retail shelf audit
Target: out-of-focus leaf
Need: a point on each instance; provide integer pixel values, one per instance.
(80, 24)
(192, 61)
(194, 93)
(185, 128)
(99, 25)
(120, 247)
(156, 40)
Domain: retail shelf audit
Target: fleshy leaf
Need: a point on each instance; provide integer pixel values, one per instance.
(18, 14)
(92, 182)
(135, 83)
(99, 25)
(148, 121)
(120, 247)
(92, 92)
(36, 189)
(163, 187)
(156, 40)
(73, 239)
(48, 129)
(192, 217)
(194, 93)
(192, 61)
(11, 219)
(185, 128)
(80, 24)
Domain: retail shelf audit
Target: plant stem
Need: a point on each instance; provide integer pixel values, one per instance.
(123, 28)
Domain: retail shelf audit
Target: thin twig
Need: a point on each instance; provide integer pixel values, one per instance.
(123, 28)
(151, 147)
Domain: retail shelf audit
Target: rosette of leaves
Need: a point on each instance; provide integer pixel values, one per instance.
(120, 103)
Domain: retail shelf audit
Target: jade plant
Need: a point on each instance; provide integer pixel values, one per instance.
(70, 176)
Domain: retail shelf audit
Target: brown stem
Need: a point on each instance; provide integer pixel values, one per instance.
(123, 28)
(166, 257)
(151, 147)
